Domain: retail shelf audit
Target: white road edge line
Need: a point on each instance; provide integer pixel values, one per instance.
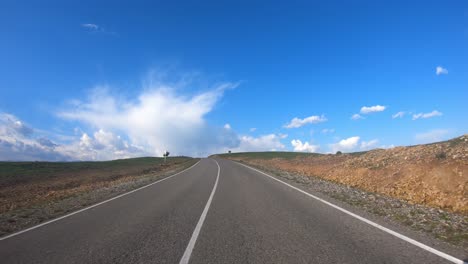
(94, 205)
(403, 237)
(188, 251)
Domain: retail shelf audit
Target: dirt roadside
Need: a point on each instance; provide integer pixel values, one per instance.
(55, 189)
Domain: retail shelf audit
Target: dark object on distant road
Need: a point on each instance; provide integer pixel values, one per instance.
(229, 152)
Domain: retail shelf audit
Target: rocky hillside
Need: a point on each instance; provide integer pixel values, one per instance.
(434, 174)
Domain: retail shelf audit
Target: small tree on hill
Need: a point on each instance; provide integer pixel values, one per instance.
(165, 155)
(338, 152)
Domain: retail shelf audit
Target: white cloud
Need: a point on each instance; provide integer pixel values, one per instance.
(427, 115)
(15, 125)
(432, 136)
(91, 26)
(398, 115)
(345, 145)
(356, 117)
(94, 28)
(102, 145)
(270, 142)
(304, 147)
(366, 145)
(159, 119)
(46, 142)
(297, 122)
(372, 109)
(441, 70)
(353, 144)
(252, 129)
(111, 126)
(18, 142)
(328, 131)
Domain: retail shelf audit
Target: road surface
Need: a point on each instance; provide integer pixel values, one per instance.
(218, 211)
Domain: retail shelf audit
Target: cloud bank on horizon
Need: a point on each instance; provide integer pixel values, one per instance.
(160, 118)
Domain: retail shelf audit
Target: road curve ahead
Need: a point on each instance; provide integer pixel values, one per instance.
(213, 214)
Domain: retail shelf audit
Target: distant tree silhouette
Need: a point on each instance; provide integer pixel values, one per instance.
(165, 155)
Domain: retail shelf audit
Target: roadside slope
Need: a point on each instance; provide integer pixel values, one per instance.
(435, 174)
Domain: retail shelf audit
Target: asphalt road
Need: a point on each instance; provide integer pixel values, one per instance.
(212, 214)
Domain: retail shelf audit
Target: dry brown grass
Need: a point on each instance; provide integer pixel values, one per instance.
(39, 184)
(435, 174)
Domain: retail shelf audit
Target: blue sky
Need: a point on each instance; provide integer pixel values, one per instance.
(108, 80)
